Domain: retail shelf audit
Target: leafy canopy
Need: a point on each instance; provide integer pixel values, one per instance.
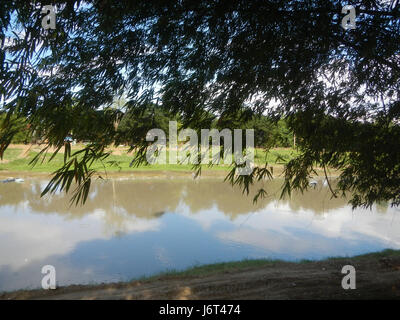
(338, 89)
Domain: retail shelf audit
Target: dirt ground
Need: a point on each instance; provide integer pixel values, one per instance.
(376, 278)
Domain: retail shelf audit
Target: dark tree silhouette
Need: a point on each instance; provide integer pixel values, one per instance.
(338, 89)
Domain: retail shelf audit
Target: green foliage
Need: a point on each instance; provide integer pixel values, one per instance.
(153, 116)
(76, 169)
(20, 128)
(337, 90)
(269, 133)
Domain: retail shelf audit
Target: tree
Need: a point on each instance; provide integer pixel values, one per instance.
(154, 114)
(337, 88)
(20, 134)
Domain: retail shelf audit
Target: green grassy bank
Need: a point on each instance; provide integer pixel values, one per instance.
(15, 159)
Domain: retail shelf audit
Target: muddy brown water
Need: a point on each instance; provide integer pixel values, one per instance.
(131, 227)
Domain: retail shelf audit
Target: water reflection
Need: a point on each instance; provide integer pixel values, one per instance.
(133, 227)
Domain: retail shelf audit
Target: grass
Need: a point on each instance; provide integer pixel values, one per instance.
(274, 156)
(219, 267)
(11, 154)
(121, 162)
(373, 255)
(223, 267)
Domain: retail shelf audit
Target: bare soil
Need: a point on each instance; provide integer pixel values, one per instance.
(377, 277)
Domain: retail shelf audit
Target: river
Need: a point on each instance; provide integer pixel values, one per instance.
(130, 228)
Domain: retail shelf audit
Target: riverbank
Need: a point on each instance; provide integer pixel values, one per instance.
(377, 277)
(17, 159)
(16, 163)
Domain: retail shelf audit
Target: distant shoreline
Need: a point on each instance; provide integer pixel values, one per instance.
(4, 174)
(17, 158)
